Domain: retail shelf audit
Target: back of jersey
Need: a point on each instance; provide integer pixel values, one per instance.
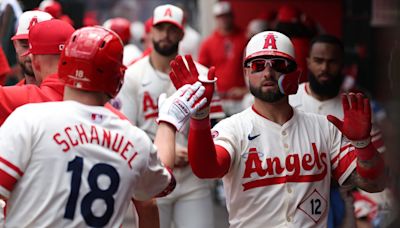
(75, 166)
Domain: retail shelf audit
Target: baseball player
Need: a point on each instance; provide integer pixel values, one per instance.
(122, 27)
(45, 49)
(76, 163)
(321, 95)
(145, 80)
(276, 162)
(20, 40)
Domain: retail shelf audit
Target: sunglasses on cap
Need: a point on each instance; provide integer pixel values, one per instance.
(278, 64)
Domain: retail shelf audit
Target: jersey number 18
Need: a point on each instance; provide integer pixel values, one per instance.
(75, 167)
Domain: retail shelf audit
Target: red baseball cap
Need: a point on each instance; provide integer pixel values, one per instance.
(48, 37)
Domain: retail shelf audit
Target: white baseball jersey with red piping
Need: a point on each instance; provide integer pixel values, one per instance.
(302, 100)
(280, 175)
(65, 164)
(138, 101)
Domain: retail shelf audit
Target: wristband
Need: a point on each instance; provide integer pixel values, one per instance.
(361, 143)
(202, 113)
(372, 172)
(366, 153)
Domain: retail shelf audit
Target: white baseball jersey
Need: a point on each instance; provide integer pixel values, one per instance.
(280, 175)
(303, 100)
(131, 52)
(138, 101)
(65, 164)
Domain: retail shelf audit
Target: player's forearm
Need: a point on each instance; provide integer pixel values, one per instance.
(148, 213)
(369, 174)
(165, 142)
(205, 160)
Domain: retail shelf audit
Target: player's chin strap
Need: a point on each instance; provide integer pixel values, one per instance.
(289, 83)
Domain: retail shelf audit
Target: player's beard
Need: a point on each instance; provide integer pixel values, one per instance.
(26, 70)
(329, 89)
(166, 51)
(269, 96)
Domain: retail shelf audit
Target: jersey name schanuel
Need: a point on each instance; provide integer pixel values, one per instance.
(72, 136)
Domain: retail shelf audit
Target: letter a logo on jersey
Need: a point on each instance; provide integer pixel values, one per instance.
(270, 42)
(33, 22)
(168, 13)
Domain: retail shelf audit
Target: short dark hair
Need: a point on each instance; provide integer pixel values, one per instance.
(330, 39)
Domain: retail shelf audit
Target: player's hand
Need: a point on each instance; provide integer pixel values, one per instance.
(177, 108)
(181, 156)
(356, 124)
(181, 74)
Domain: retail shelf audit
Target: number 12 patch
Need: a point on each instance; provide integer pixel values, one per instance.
(314, 206)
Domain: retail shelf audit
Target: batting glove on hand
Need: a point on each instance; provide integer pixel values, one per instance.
(356, 124)
(177, 108)
(181, 75)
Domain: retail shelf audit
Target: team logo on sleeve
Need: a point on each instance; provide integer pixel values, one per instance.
(116, 103)
(214, 134)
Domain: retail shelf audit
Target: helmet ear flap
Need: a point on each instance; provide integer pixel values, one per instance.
(289, 83)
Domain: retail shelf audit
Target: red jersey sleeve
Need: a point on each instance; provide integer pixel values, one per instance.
(206, 159)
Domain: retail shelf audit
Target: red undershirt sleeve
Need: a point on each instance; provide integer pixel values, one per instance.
(206, 159)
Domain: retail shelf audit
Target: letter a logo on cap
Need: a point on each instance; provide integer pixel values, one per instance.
(270, 42)
(33, 22)
(168, 13)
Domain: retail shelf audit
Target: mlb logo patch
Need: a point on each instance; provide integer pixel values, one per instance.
(97, 118)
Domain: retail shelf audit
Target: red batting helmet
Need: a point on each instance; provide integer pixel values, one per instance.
(272, 44)
(92, 61)
(121, 26)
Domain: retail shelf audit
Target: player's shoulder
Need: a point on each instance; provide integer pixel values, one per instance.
(309, 118)
(46, 107)
(238, 119)
(36, 112)
(295, 100)
(136, 70)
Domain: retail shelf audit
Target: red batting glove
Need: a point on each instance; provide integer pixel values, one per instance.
(181, 75)
(356, 124)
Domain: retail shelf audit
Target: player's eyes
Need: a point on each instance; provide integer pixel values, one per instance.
(257, 65)
(279, 65)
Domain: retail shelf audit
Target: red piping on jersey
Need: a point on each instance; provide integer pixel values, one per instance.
(171, 186)
(206, 159)
(347, 146)
(7, 181)
(344, 164)
(10, 165)
(289, 117)
(252, 107)
(216, 109)
(306, 89)
(115, 111)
